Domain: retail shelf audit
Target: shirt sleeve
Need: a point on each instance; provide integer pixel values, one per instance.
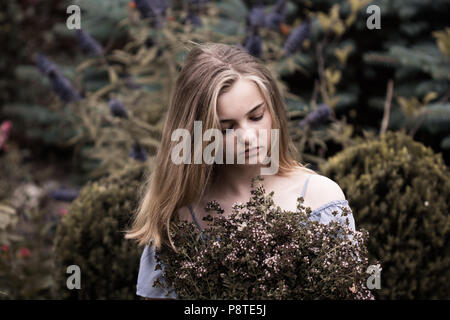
(147, 275)
(324, 214)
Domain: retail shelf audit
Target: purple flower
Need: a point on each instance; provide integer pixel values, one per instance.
(153, 9)
(193, 19)
(88, 44)
(295, 39)
(256, 16)
(60, 84)
(67, 195)
(273, 21)
(159, 7)
(44, 65)
(117, 108)
(253, 44)
(62, 87)
(5, 129)
(144, 8)
(278, 14)
(316, 117)
(138, 153)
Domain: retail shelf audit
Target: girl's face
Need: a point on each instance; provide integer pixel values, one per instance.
(243, 107)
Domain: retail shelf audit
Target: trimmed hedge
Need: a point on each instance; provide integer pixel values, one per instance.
(400, 190)
(91, 236)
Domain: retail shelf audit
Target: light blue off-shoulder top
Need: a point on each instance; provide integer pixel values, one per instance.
(147, 273)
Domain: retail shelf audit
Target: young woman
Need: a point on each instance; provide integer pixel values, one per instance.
(224, 87)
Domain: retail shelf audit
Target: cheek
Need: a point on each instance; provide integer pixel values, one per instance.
(267, 120)
(267, 125)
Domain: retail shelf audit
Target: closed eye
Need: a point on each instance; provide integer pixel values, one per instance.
(258, 118)
(253, 119)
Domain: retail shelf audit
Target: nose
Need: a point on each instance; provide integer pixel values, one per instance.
(247, 137)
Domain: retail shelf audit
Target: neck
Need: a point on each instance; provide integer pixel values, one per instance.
(234, 180)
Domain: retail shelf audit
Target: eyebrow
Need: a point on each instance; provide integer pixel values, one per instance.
(253, 109)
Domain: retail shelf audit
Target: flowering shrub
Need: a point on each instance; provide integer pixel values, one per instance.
(263, 252)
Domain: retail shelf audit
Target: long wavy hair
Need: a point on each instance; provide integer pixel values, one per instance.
(209, 70)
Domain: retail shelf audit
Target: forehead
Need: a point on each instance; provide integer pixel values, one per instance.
(242, 97)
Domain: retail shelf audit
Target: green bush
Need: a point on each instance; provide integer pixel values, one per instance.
(400, 191)
(91, 236)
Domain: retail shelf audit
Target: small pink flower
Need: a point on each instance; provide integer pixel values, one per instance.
(5, 248)
(6, 126)
(4, 133)
(24, 252)
(62, 211)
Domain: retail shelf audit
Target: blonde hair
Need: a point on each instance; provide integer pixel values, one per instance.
(210, 69)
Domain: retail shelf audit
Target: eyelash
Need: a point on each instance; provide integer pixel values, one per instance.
(253, 119)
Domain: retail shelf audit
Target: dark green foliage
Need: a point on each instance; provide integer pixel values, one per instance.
(91, 236)
(405, 49)
(13, 169)
(99, 18)
(43, 125)
(11, 48)
(400, 191)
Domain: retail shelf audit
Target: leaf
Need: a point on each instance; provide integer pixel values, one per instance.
(112, 75)
(332, 76)
(148, 55)
(332, 102)
(85, 64)
(102, 91)
(355, 5)
(324, 20)
(409, 106)
(429, 97)
(443, 40)
(338, 27)
(342, 54)
(334, 12)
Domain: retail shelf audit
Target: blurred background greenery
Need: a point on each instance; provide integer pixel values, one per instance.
(81, 113)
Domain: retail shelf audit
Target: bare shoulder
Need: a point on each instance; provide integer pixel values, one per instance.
(322, 190)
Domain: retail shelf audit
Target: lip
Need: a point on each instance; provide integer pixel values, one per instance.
(247, 152)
